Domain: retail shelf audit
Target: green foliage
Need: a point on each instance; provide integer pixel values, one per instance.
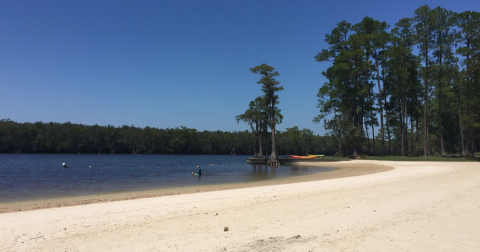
(51, 137)
(256, 116)
(270, 89)
(435, 90)
(348, 92)
(299, 142)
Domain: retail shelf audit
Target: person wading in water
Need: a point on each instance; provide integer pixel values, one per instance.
(198, 173)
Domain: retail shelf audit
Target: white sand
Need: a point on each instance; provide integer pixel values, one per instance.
(418, 206)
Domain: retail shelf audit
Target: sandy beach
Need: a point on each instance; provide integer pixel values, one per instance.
(363, 206)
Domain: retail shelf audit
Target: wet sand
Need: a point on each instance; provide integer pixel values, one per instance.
(343, 169)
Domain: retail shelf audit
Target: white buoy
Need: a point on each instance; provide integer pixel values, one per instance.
(64, 165)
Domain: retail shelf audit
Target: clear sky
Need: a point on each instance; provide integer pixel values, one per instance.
(167, 64)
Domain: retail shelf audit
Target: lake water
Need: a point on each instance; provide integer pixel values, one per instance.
(39, 176)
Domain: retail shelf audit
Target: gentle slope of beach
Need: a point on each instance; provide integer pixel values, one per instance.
(418, 206)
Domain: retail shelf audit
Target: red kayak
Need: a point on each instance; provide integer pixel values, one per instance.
(304, 157)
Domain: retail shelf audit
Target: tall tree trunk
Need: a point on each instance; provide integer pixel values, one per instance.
(417, 133)
(429, 150)
(405, 149)
(388, 134)
(368, 137)
(468, 132)
(411, 128)
(462, 138)
(404, 125)
(373, 138)
(473, 145)
(425, 99)
(388, 128)
(260, 148)
(380, 104)
(254, 137)
(406, 137)
(340, 139)
(402, 128)
(273, 161)
(273, 157)
(440, 147)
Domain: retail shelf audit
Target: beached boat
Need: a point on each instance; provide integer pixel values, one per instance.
(303, 157)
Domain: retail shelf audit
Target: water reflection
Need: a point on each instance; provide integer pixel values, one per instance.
(264, 172)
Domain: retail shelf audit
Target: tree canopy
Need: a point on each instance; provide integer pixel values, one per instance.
(41, 137)
(445, 70)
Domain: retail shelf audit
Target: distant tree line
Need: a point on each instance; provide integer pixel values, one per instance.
(40, 137)
(67, 137)
(418, 84)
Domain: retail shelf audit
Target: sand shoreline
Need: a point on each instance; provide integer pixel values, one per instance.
(417, 206)
(343, 169)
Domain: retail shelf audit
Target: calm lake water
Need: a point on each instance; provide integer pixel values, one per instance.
(39, 176)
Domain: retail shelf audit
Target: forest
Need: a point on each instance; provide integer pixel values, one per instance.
(413, 87)
(67, 137)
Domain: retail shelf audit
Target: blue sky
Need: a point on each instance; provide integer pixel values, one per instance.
(167, 64)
